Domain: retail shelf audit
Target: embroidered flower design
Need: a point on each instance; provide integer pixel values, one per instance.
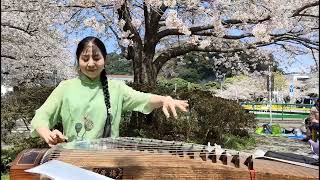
(88, 124)
(78, 128)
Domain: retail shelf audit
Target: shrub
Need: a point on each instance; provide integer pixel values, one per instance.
(208, 120)
(19, 142)
(20, 105)
(238, 142)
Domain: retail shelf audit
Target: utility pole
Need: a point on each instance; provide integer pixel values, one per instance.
(270, 94)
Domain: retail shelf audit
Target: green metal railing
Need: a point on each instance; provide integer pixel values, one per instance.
(279, 111)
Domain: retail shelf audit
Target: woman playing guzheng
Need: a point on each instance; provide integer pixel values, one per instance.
(90, 106)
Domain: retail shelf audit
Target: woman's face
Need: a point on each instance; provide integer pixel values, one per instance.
(91, 61)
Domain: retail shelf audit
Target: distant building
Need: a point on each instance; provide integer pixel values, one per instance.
(296, 82)
(297, 76)
(126, 78)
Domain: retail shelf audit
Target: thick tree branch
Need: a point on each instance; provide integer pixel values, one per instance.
(298, 11)
(124, 14)
(308, 15)
(234, 37)
(168, 32)
(152, 27)
(226, 23)
(230, 22)
(184, 49)
(84, 6)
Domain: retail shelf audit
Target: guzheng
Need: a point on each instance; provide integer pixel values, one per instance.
(139, 158)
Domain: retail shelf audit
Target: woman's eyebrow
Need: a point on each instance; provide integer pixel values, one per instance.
(85, 55)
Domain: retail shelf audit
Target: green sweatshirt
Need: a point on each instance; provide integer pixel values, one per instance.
(81, 100)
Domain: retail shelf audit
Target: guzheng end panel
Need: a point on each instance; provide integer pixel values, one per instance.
(25, 160)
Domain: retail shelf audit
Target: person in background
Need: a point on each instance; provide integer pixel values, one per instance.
(314, 115)
(312, 122)
(90, 106)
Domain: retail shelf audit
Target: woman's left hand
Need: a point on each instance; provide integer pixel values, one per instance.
(170, 104)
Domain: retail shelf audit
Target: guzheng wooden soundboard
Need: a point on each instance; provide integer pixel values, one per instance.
(139, 158)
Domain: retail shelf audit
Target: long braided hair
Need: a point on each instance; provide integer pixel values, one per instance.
(103, 78)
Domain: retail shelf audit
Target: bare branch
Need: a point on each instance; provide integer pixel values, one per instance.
(73, 15)
(18, 10)
(315, 59)
(30, 32)
(9, 57)
(84, 6)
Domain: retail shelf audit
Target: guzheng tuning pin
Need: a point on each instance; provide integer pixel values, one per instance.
(223, 157)
(209, 148)
(181, 152)
(190, 153)
(236, 160)
(203, 155)
(212, 155)
(150, 150)
(249, 162)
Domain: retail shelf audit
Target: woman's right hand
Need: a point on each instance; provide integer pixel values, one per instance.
(51, 137)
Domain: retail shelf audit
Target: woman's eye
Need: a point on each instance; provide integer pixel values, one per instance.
(96, 58)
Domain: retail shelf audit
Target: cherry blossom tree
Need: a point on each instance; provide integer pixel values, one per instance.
(245, 88)
(250, 87)
(151, 32)
(306, 88)
(32, 51)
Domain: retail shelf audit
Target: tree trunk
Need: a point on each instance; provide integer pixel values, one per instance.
(145, 72)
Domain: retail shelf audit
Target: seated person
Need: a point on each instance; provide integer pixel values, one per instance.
(314, 116)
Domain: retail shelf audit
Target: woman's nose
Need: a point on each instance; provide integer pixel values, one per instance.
(91, 62)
